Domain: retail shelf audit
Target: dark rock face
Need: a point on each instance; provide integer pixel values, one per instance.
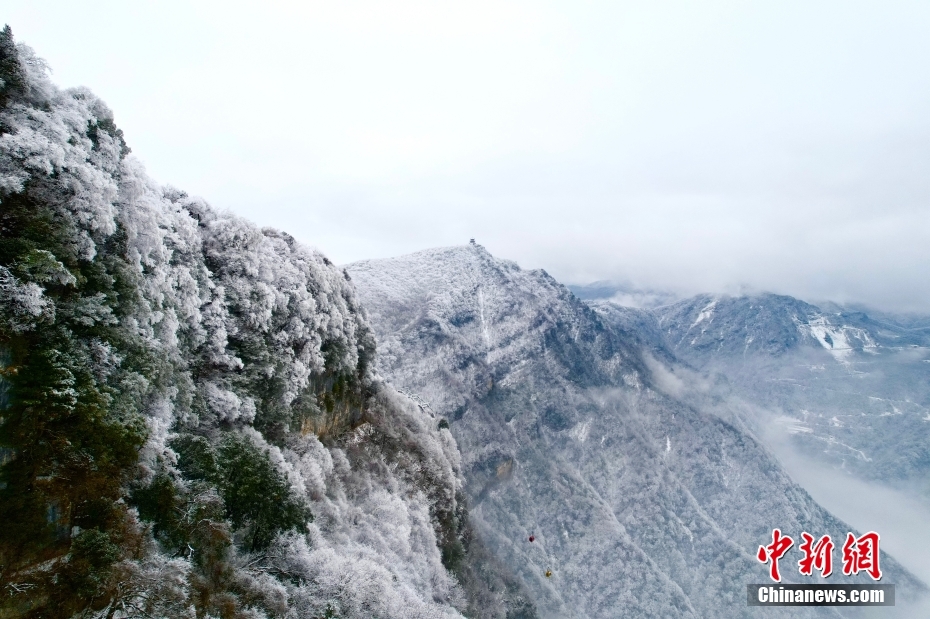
(646, 493)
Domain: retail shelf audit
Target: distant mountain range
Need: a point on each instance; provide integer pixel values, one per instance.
(850, 387)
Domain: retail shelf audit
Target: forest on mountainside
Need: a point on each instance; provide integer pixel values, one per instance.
(189, 422)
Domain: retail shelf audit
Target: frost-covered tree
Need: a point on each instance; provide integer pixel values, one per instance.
(189, 422)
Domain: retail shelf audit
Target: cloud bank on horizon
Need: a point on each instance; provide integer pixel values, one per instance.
(694, 147)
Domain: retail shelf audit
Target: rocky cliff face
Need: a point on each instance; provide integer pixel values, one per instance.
(644, 494)
(192, 423)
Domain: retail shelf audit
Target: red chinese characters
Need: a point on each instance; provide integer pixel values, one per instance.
(819, 555)
(775, 551)
(861, 555)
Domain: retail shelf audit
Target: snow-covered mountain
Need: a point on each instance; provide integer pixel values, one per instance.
(644, 494)
(847, 387)
(726, 326)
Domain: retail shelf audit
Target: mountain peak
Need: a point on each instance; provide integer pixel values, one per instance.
(575, 434)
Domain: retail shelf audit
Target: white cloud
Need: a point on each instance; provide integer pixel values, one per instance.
(691, 146)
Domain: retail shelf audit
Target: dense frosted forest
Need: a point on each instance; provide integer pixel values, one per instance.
(190, 422)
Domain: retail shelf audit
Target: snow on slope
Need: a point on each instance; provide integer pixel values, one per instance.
(858, 385)
(765, 323)
(643, 498)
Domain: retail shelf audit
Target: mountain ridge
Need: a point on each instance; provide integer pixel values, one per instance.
(571, 433)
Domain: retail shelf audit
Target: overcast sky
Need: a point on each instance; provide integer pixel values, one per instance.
(696, 146)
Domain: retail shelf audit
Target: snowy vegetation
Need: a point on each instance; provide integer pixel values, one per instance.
(646, 492)
(191, 426)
